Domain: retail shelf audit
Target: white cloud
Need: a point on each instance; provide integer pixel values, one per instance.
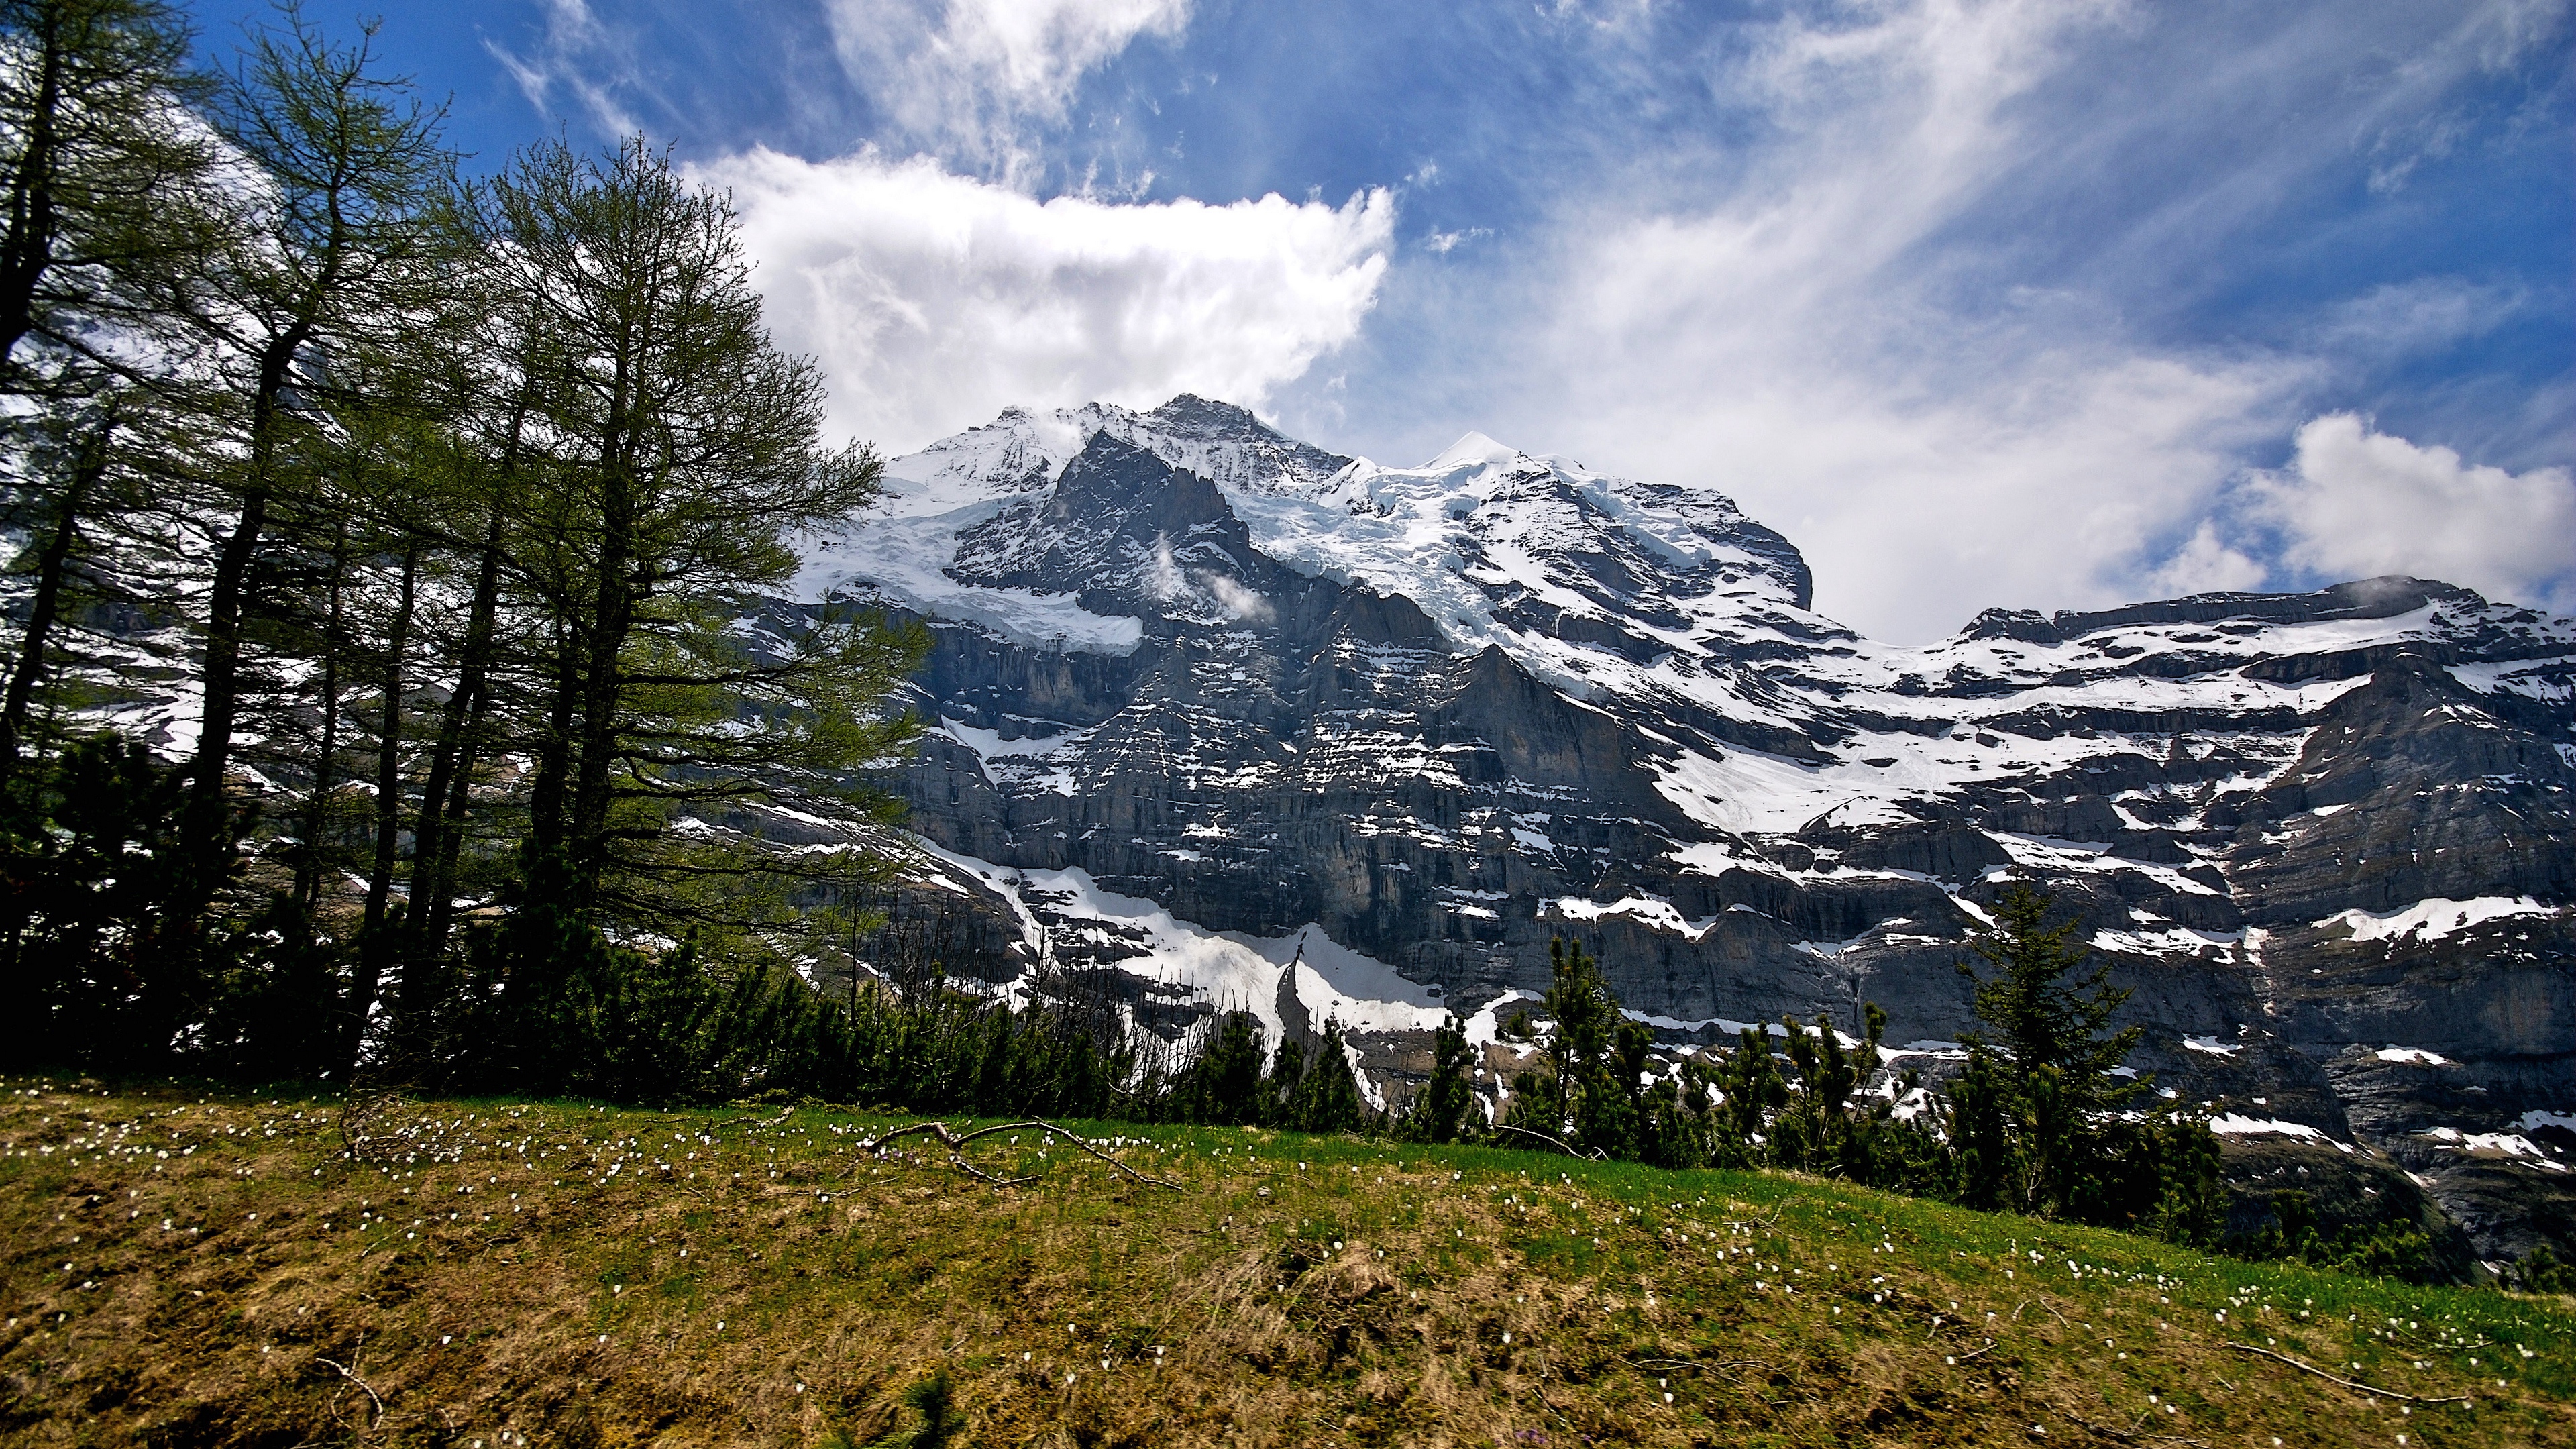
(969, 78)
(2426, 314)
(1799, 345)
(582, 60)
(934, 300)
(2207, 564)
(2355, 503)
(1812, 308)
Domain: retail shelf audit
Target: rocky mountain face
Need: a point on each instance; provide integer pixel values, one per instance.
(1232, 722)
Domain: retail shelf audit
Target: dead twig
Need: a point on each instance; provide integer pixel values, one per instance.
(2043, 1303)
(1596, 1155)
(347, 1371)
(2353, 1384)
(955, 1143)
(981, 1175)
(2130, 1435)
(1957, 1359)
(1729, 1366)
(361, 1122)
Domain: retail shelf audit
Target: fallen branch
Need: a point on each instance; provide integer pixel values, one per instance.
(1958, 1359)
(1552, 1142)
(2354, 1384)
(2043, 1303)
(350, 1374)
(1647, 1364)
(954, 1142)
(2130, 1435)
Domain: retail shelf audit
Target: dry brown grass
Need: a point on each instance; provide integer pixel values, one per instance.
(1265, 1304)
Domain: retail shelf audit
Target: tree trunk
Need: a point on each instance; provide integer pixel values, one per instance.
(308, 862)
(612, 616)
(380, 875)
(29, 249)
(451, 763)
(377, 944)
(208, 827)
(50, 566)
(547, 793)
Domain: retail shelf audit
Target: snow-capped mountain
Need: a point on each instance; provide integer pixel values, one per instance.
(1237, 721)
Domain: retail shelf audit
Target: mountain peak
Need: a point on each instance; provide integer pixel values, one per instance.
(1472, 448)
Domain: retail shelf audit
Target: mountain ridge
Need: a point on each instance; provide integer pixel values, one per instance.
(1198, 688)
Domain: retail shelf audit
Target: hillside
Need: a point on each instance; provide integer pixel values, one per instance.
(188, 1266)
(1223, 720)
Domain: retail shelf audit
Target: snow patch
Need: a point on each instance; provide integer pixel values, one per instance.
(2506, 1144)
(2412, 1056)
(2232, 1124)
(1334, 982)
(1653, 912)
(1228, 970)
(2182, 939)
(2434, 919)
(1485, 1027)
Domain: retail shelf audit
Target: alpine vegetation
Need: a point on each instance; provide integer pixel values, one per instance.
(449, 663)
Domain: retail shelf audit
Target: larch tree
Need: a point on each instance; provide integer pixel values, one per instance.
(104, 165)
(344, 244)
(106, 173)
(670, 454)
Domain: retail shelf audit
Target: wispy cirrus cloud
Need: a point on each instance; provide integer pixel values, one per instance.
(579, 65)
(2396, 319)
(980, 82)
(1808, 344)
(1910, 308)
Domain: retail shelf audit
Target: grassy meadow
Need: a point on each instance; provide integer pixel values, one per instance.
(186, 1265)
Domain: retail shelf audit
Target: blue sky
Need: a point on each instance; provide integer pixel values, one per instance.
(1983, 302)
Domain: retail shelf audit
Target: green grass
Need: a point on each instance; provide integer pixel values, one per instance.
(485, 1277)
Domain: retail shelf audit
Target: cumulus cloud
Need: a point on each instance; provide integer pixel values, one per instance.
(2206, 564)
(2355, 503)
(969, 78)
(934, 300)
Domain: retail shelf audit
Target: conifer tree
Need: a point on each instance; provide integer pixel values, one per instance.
(2033, 1122)
(1440, 1112)
(109, 210)
(672, 451)
(2039, 1018)
(337, 253)
(104, 171)
(1578, 1096)
(1750, 1089)
(1819, 1132)
(1224, 1087)
(1322, 1096)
